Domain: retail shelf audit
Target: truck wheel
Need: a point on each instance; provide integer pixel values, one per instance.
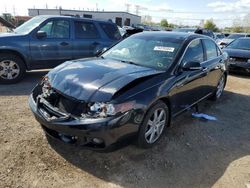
(154, 124)
(12, 68)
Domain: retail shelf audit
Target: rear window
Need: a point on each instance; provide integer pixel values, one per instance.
(208, 33)
(111, 31)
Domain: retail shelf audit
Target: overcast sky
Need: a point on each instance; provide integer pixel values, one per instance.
(177, 11)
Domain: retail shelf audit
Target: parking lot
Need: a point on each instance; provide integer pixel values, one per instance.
(194, 153)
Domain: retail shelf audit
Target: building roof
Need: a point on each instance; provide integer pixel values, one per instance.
(74, 18)
(86, 11)
(6, 23)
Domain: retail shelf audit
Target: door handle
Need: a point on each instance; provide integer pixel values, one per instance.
(204, 69)
(64, 44)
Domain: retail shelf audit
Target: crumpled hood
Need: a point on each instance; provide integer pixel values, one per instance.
(238, 53)
(95, 79)
(10, 35)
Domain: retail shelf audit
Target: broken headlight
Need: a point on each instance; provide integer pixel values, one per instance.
(46, 87)
(108, 109)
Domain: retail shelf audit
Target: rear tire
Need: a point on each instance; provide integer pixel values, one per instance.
(219, 89)
(154, 125)
(12, 68)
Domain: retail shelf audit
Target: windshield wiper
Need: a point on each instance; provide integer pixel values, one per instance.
(129, 62)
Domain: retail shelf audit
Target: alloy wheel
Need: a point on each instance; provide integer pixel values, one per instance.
(220, 87)
(155, 125)
(9, 69)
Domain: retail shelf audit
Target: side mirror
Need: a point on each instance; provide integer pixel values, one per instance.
(41, 34)
(191, 65)
(100, 51)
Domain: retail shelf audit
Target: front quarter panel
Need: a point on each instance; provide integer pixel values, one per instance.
(147, 92)
(19, 44)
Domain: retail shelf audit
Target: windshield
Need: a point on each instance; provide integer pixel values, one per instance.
(28, 26)
(158, 53)
(235, 36)
(240, 44)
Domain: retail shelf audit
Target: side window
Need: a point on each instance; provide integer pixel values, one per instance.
(85, 30)
(194, 52)
(111, 30)
(57, 29)
(211, 49)
(47, 28)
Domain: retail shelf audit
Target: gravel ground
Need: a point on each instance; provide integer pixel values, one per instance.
(194, 153)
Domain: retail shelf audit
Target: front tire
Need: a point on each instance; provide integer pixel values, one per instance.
(154, 125)
(12, 68)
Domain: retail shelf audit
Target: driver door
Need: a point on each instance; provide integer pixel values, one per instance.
(190, 84)
(53, 49)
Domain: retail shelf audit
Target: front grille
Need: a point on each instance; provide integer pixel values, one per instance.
(66, 104)
(71, 106)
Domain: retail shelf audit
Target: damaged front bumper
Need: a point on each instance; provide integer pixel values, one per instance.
(94, 133)
(239, 67)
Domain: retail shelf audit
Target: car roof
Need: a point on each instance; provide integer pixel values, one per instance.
(75, 18)
(172, 34)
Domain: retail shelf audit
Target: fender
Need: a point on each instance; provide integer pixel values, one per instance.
(18, 45)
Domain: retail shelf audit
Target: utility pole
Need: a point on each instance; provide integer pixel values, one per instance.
(128, 7)
(138, 8)
(96, 5)
(14, 10)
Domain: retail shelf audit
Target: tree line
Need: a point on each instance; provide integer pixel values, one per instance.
(239, 26)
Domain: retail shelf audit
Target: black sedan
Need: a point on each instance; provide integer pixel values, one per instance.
(239, 53)
(132, 90)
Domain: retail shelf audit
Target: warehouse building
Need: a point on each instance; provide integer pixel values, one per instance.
(120, 18)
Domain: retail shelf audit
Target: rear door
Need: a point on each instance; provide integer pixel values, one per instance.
(54, 49)
(87, 39)
(213, 63)
(190, 84)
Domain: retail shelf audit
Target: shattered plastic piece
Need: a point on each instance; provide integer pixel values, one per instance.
(205, 116)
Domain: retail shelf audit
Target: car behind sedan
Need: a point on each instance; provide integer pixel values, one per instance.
(132, 90)
(225, 41)
(46, 41)
(239, 53)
